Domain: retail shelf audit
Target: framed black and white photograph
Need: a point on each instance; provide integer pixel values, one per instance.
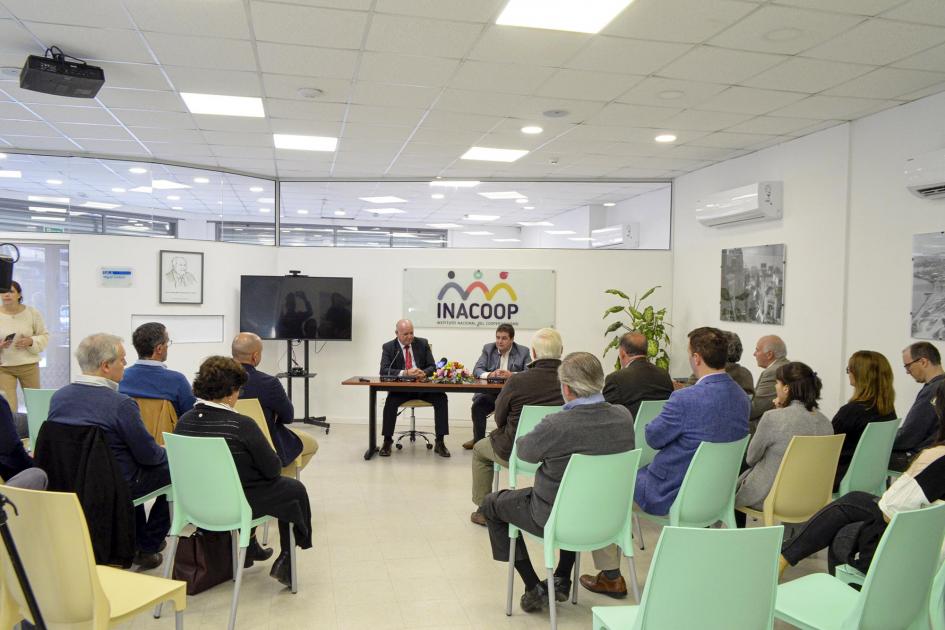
(928, 286)
(753, 284)
(181, 277)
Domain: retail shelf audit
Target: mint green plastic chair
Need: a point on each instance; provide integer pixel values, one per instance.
(37, 410)
(895, 591)
(711, 579)
(207, 493)
(707, 494)
(591, 511)
(648, 410)
(867, 471)
(529, 418)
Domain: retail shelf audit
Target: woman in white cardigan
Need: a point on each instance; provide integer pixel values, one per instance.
(23, 337)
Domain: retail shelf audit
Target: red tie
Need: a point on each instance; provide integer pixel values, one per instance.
(408, 363)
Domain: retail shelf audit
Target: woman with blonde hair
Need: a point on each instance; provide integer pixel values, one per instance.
(872, 379)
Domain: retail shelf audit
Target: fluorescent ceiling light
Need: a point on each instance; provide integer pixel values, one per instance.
(166, 184)
(201, 180)
(509, 194)
(118, 190)
(536, 223)
(3, 156)
(221, 105)
(302, 211)
(531, 130)
(41, 218)
(387, 199)
(521, 201)
(454, 183)
(489, 154)
(665, 137)
(444, 226)
(437, 196)
(45, 209)
(54, 182)
(528, 207)
(480, 217)
(265, 200)
(606, 229)
(404, 234)
(506, 240)
(609, 204)
(581, 238)
(101, 206)
(173, 197)
(479, 233)
(340, 213)
(265, 209)
(438, 241)
(11, 174)
(560, 232)
(44, 199)
(384, 210)
(579, 16)
(255, 189)
(304, 143)
(177, 207)
(142, 189)
(137, 170)
(352, 228)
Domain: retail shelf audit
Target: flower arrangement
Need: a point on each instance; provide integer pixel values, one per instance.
(452, 372)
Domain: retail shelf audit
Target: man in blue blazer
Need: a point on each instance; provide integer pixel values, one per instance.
(499, 359)
(715, 409)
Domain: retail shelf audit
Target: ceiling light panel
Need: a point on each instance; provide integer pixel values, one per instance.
(490, 154)
(481, 217)
(579, 16)
(221, 105)
(44, 199)
(387, 199)
(509, 194)
(454, 183)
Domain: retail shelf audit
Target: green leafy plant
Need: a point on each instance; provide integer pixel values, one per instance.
(644, 319)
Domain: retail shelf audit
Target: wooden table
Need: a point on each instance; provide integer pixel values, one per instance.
(374, 385)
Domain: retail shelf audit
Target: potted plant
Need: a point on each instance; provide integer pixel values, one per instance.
(644, 319)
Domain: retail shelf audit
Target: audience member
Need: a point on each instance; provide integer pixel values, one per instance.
(923, 363)
(589, 425)
(411, 356)
(149, 376)
(538, 385)
(92, 399)
(872, 379)
(715, 409)
(500, 360)
(739, 373)
(797, 390)
(850, 528)
(770, 353)
(247, 348)
(23, 337)
(15, 463)
(217, 387)
(637, 379)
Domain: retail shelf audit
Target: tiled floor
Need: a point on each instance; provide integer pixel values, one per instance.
(394, 548)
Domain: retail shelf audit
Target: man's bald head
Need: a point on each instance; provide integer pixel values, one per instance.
(404, 330)
(769, 349)
(634, 343)
(247, 348)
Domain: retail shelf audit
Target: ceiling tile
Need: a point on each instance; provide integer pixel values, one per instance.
(284, 86)
(468, 101)
(292, 24)
(406, 69)
(833, 107)
(202, 52)
(919, 11)
(854, 7)
(141, 99)
(534, 108)
(205, 81)
(530, 46)
(719, 65)
(220, 18)
(60, 113)
(879, 42)
(633, 115)
(661, 92)
(243, 152)
(94, 44)
(750, 100)
(932, 59)
(137, 76)
(785, 30)
(99, 14)
(888, 83)
(305, 127)
(231, 123)
(381, 133)
(699, 153)
(307, 61)
(807, 75)
(773, 125)
(152, 134)
(101, 132)
(451, 120)
(231, 138)
(51, 143)
(381, 94)
(933, 89)
(495, 77)
(587, 85)
(691, 21)
(699, 120)
(435, 135)
(462, 10)
(113, 147)
(304, 109)
(26, 128)
(384, 115)
(16, 39)
(13, 111)
(142, 118)
(417, 36)
(629, 56)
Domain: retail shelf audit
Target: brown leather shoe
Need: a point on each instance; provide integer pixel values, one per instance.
(478, 518)
(468, 445)
(600, 584)
(385, 448)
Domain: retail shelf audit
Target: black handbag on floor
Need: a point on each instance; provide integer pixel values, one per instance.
(204, 560)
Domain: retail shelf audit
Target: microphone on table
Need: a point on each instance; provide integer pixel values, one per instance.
(441, 363)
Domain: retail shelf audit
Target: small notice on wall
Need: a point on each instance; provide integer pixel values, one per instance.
(116, 277)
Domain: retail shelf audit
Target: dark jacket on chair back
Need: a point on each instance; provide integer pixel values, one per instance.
(77, 459)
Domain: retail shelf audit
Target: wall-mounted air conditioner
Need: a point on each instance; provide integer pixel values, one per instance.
(625, 236)
(925, 175)
(755, 202)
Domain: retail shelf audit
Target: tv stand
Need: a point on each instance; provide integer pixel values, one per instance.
(291, 374)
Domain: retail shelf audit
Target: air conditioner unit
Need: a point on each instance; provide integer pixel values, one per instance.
(925, 175)
(625, 236)
(755, 202)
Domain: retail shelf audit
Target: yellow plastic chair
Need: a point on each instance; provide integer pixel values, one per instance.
(72, 592)
(804, 482)
(250, 407)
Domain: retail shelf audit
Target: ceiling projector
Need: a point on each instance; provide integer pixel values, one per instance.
(55, 74)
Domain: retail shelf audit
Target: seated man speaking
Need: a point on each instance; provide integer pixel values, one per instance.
(499, 359)
(411, 356)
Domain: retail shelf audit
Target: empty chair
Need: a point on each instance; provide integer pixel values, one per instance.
(867, 471)
(71, 591)
(648, 410)
(804, 482)
(895, 591)
(37, 410)
(529, 418)
(741, 565)
(412, 432)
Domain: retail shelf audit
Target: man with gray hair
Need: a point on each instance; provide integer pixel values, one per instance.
(92, 399)
(770, 353)
(588, 425)
(537, 385)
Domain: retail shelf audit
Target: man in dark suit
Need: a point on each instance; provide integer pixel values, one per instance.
(639, 379)
(247, 348)
(411, 356)
(499, 359)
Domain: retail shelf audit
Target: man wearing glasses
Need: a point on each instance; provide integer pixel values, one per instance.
(923, 363)
(149, 377)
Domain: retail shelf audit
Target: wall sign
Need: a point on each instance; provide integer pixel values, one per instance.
(476, 298)
(116, 277)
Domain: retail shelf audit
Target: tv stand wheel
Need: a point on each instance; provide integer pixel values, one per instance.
(429, 446)
(399, 446)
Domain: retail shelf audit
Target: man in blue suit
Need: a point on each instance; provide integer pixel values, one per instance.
(499, 359)
(715, 409)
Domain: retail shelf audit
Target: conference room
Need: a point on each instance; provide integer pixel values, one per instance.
(770, 167)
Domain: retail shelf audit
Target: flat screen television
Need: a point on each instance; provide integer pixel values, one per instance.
(296, 307)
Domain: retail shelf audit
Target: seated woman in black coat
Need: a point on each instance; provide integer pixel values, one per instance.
(217, 387)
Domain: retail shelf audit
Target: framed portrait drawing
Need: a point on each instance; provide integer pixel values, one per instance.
(181, 277)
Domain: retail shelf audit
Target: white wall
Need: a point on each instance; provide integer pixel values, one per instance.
(652, 211)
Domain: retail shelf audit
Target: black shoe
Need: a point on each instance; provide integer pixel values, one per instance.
(385, 448)
(533, 600)
(147, 561)
(562, 589)
(255, 552)
(282, 569)
(440, 448)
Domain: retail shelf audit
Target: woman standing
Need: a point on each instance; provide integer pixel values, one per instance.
(23, 336)
(872, 401)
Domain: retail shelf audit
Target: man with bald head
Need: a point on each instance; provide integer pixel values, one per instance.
(770, 353)
(411, 356)
(247, 348)
(638, 379)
